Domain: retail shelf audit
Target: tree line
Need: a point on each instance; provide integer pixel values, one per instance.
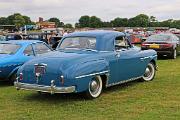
(140, 20)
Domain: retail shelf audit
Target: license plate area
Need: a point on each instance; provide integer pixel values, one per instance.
(39, 69)
(154, 46)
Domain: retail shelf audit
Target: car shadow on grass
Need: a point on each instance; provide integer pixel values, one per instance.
(54, 98)
(5, 84)
(65, 98)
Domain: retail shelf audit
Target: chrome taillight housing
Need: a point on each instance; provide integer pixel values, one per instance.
(21, 76)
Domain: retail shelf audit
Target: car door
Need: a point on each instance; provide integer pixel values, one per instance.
(127, 63)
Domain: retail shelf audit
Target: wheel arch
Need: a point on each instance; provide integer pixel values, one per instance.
(104, 78)
(13, 71)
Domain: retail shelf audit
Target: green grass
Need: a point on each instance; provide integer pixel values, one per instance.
(156, 100)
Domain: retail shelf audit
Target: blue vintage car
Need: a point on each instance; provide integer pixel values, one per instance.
(15, 53)
(87, 62)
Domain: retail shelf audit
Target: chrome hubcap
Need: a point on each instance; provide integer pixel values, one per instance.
(94, 86)
(147, 72)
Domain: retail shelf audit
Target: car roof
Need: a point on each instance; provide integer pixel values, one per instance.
(95, 33)
(104, 38)
(167, 34)
(22, 42)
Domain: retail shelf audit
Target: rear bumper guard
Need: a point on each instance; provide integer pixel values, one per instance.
(41, 88)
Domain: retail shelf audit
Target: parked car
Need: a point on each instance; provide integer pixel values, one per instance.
(165, 44)
(14, 36)
(15, 53)
(137, 39)
(38, 36)
(2, 38)
(87, 62)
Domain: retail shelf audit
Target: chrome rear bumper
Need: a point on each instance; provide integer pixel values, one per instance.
(41, 88)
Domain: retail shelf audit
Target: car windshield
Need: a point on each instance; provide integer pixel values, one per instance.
(78, 43)
(6, 48)
(159, 37)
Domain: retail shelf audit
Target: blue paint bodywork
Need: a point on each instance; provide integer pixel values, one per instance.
(9, 64)
(79, 66)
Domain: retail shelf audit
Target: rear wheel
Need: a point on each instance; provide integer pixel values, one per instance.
(94, 88)
(149, 73)
(174, 54)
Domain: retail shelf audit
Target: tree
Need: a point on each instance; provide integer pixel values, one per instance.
(140, 20)
(84, 21)
(152, 19)
(106, 24)
(19, 21)
(3, 21)
(57, 22)
(120, 22)
(166, 23)
(95, 22)
(77, 25)
(68, 25)
(27, 20)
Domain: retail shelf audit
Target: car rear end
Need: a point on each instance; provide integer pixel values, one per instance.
(42, 75)
(162, 48)
(161, 43)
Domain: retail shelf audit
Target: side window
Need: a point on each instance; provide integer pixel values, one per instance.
(120, 42)
(41, 48)
(29, 51)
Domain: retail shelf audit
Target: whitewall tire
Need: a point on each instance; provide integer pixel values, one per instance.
(149, 73)
(94, 88)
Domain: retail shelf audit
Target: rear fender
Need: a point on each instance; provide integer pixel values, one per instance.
(82, 73)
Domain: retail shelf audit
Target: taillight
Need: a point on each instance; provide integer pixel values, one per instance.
(167, 45)
(62, 79)
(144, 44)
(21, 76)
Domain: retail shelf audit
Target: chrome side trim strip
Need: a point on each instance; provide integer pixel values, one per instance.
(123, 81)
(82, 76)
(144, 58)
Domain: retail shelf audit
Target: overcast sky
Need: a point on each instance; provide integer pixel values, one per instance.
(69, 11)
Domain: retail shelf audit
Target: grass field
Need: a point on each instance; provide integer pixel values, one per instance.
(156, 100)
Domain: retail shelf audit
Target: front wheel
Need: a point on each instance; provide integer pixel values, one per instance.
(149, 72)
(94, 88)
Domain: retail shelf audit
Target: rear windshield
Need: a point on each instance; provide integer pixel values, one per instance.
(6, 48)
(78, 43)
(159, 38)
